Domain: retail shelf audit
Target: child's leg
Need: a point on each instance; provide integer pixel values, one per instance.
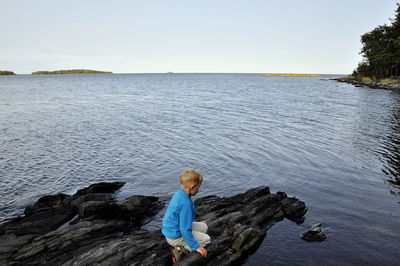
(199, 231)
(199, 227)
(201, 238)
(177, 242)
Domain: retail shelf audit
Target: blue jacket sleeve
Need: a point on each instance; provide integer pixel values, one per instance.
(186, 226)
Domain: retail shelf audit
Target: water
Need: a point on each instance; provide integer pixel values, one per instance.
(332, 145)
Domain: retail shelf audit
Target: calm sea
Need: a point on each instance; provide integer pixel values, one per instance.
(334, 146)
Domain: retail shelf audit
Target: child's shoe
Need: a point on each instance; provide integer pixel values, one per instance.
(178, 252)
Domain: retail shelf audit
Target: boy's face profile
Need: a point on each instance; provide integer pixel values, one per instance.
(194, 189)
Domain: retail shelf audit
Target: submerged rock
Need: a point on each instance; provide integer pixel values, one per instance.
(108, 232)
(315, 233)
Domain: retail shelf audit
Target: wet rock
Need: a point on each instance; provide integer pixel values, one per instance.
(76, 200)
(315, 233)
(294, 209)
(39, 221)
(51, 199)
(103, 187)
(238, 225)
(46, 215)
(143, 248)
(135, 208)
(108, 232)
(101, 209)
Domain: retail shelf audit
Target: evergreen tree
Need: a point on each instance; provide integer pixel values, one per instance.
(381, 51)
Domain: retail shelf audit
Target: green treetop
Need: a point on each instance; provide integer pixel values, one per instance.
(381, 51)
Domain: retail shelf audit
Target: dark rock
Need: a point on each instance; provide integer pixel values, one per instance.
(102, 209)
(294, 209)
(61, 245)
(315, 233)
(51, 199)
(45, 203)
(144, 248)
(240, 230)
(134, 209)
(137, 208)
(21, 231)
(103, 187)
(107, 232)
(46, 215)
(76, 200)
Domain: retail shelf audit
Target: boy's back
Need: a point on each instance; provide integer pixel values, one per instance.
(180, 212)
(179, 227)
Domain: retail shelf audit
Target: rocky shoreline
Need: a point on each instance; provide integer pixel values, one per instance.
(372, 84)
(91, 227)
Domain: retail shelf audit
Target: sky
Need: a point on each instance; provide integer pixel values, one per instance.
(218, 36)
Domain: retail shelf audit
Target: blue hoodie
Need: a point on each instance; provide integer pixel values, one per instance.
(178, 219)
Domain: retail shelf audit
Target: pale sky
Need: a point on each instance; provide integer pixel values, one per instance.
(217, 36)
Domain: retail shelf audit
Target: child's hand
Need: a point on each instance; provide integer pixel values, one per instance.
(202, 251)
(204, 222)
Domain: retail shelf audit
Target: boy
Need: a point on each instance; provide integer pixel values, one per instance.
(179, 227)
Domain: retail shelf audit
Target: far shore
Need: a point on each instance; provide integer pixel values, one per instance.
(293, 75)
(389, 84)
(6, 73)
(71, 71)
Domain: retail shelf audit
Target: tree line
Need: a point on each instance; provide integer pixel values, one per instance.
(381, 51)
(6, 73)
(71, 71)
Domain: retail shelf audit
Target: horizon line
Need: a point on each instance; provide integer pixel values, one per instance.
(204, 73)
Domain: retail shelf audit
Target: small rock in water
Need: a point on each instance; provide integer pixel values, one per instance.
(314, 234)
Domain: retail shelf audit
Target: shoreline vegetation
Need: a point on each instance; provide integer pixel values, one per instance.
(387, 83)
(6, 73)
(71, 71)
(380, 67)
(293, 75)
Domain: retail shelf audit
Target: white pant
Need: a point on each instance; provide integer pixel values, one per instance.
(199, 231)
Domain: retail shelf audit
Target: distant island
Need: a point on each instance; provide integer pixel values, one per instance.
(292, 75)
(71, 71)
(6, 73)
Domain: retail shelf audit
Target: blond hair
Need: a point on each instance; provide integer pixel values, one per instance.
(190, 177)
